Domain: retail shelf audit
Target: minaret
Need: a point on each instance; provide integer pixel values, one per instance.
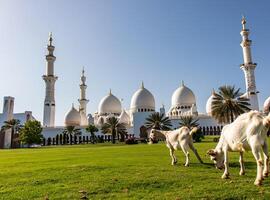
(49, 78)
(248, 67)
(83, 101)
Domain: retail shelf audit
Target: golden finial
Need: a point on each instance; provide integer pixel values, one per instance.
(83, 71)
(50, 39)
(182, 83)
(142, 85)
(243, 21)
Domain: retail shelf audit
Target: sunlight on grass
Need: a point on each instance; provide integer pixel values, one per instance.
(122, 172)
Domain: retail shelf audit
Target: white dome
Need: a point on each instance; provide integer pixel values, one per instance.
(183, 96)
(109, 104)
(209, 104)
(266, 105)
(124, 117)
(73, 117)
(142, 99)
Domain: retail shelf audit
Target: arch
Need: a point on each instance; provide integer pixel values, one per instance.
(203, 130)
(211, 130)
(215, 130)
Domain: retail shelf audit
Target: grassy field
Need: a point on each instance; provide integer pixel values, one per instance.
(108, 171)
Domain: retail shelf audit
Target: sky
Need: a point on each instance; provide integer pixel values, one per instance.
(123, 42)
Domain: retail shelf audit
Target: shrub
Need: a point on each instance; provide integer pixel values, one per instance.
(30, 133)
(198, 136)
(131, 141)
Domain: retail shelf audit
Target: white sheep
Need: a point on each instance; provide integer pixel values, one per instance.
(176, 139)
(247, 132)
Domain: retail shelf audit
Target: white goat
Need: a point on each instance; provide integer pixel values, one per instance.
(248, 131)
(176, 139)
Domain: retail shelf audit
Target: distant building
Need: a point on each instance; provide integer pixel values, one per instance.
(8, 114)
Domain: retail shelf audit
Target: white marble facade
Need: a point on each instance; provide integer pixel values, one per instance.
(142, 103)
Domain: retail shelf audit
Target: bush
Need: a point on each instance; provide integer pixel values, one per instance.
(131, 141)
(30, 133)
(216, 139)
(143, 141)
(198, 136)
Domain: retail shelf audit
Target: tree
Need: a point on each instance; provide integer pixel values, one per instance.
(114, 127)
(228, 103)
(30, 133)
(92, 129)
(71, 130)
(188, 121)
(158, 121)
(14, 125)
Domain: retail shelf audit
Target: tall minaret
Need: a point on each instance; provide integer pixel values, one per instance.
(83, 101)
(49, 78)
(248, 67)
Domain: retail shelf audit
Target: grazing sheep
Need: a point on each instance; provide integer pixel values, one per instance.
(176, 139)
(247, 132)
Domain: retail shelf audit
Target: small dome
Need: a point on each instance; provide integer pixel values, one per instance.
(209, 104)
(142, 99)
(266, 105)
(109, 104)
(124, 117)
(183, 96)
(73, 117)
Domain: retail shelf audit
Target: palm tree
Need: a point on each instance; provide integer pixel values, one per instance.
(114, 127)
(72, 130)
(191, 122)
(188, 121)
(228, 103)
(92, 129)
(158, 121)
(14, 125)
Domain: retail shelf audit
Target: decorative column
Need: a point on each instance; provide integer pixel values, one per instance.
(248, 68)
(49, 78)
(83, 101)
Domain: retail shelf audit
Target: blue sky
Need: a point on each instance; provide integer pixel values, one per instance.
(122, 42)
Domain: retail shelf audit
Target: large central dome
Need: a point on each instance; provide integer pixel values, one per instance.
(183, 96)
(142, 101)
(109, 104)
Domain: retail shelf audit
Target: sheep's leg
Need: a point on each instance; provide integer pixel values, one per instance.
(257, 156)
(226, 164)
(195, 152)
(186, 154)
(241, 161)
(173, 156)
(266, 160)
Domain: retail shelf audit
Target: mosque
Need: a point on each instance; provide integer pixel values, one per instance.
(142, 104)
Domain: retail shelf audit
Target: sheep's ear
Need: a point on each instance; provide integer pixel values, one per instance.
(211, 152)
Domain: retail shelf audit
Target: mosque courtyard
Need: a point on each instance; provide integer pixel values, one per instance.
(106, 171)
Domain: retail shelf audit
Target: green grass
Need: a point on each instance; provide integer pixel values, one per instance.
(108, 171)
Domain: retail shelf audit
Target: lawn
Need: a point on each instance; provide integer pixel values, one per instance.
(118, 171)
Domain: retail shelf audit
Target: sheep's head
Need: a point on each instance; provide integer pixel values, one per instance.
(152, 135)
(217, 157)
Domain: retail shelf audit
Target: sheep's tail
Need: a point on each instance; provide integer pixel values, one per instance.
(193, 130)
